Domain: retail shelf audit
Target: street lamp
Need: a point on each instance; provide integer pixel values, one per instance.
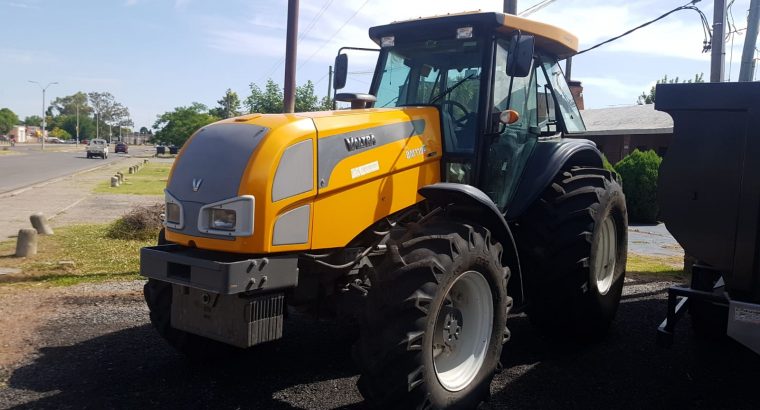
(77, 124)
(43, 108)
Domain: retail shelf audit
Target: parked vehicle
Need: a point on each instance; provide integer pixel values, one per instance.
(427, 220)
(121, 147)
(97, 148)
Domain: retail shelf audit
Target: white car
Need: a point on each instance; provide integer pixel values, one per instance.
(97, 148)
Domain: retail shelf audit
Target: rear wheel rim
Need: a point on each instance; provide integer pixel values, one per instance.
(463, 331)
(605, 256)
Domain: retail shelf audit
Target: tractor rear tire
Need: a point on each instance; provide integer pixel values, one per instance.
(436, 319)
(574, 239)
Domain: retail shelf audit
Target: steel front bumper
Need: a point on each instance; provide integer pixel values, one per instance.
(218, 272)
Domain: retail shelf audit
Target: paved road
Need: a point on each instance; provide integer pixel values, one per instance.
(31, 166)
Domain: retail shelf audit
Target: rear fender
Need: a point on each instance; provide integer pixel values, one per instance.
(547, 159)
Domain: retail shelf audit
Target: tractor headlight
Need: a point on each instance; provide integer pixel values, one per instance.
(222, 219)
(172, 213)
(174, 217)
(231, 217)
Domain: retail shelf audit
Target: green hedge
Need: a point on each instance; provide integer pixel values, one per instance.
(639, 172)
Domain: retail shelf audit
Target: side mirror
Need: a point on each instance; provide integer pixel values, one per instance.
(341, 71)
(520, 58)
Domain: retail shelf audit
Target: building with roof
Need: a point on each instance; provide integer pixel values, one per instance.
(618, 131)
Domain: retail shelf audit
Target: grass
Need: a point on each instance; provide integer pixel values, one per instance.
(654, 265)
(6, 151)
(88, 255)
(150, 180)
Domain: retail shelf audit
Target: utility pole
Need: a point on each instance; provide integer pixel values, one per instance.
(329, 85)
(718, 56)
(289, 87)
(750, 42)
(42, 131)
(510, 6)
(77, 124)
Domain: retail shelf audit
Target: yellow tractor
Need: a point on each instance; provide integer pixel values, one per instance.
(445, 199)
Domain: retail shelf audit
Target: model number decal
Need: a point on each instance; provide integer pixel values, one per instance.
(365, 169)
(411, 153)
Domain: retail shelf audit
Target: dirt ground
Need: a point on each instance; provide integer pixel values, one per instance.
(91, 346)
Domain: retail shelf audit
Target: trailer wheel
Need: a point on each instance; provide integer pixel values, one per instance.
(435, 320)
(158, 297)
(575, 241)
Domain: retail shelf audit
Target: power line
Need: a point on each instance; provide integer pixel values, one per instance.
(308, 29)
(535, 8)
(334, 34)
(706, 44)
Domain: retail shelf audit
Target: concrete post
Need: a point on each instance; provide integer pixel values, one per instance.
(114, 181)
(26, 244)
(131, 170)
(121, 177)
(40, 223)
(145, 161)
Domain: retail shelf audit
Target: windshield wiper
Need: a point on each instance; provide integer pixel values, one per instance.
(450, 89)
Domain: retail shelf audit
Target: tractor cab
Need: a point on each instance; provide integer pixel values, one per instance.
(495, 80)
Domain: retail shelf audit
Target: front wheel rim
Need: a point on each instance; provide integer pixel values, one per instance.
(605, 256)
(463, 331)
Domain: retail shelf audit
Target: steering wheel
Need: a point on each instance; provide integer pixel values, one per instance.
(449, 106)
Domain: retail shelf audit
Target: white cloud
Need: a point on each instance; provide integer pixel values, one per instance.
(615, 87)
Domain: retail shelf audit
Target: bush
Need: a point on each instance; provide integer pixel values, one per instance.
(608, 166)
(639, 172)
(141, 223)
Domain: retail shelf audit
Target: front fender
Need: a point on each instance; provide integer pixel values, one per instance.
(473, 204)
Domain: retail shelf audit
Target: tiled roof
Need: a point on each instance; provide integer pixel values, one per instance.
(635, 119)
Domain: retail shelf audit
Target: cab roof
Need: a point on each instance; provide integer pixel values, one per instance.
(550, 39)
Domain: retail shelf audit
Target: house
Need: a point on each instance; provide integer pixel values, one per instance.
(18, 132)
(618, 131)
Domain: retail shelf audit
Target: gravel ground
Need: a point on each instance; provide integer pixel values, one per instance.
(92, 347)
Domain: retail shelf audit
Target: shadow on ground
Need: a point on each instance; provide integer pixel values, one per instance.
(133, 368)
(311, 368)
(627, 370)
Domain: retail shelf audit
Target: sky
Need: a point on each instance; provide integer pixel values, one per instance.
(155, 55)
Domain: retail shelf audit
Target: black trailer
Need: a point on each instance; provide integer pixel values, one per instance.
(709, 197)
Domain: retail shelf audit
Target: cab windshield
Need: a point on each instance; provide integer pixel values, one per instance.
(444, 73)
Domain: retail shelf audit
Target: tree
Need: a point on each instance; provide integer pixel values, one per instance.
(270, 100)
(649, 98)
(60, 133)
(33, 121)
(144, 130)
(229, 106)
(108, 110)
(175, 127)
(8, 119)
(68, 105)
(306, 100)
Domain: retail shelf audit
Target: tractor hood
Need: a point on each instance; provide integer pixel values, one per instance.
(269, 172)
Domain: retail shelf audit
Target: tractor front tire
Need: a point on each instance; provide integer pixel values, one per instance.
(574, 239)
(435, 320)
(158, 297)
